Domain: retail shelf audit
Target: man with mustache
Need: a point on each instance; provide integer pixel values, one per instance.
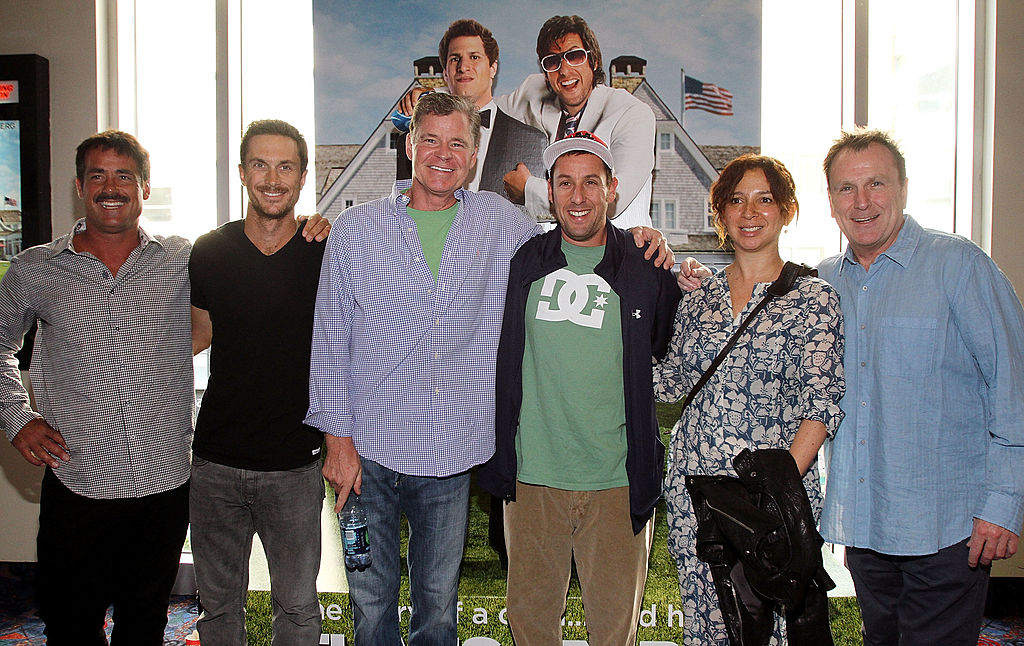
(570, 96)
(112, 377)
(255, 465)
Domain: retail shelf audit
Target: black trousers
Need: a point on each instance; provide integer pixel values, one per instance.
(919, 600)
(94, 553)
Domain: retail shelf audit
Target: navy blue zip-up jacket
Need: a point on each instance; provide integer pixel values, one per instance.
(648, 297)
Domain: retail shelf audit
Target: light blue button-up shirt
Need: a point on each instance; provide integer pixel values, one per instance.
(934, 428)
(402, 363)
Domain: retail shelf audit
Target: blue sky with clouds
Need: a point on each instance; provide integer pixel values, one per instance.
(10, 162)
(364, 54)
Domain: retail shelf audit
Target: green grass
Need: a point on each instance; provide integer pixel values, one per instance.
(482, 589)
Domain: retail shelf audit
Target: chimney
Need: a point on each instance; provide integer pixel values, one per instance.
(627, 72)
(428, 71)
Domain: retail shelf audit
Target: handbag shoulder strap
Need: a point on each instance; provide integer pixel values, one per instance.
(779, 287)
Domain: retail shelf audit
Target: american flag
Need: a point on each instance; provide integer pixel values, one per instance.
(706, 96)
(10, 201)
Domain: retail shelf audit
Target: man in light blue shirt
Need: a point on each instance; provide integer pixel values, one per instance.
(926, 485)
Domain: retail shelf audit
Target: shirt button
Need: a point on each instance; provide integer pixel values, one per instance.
(864, 288)
(409, 229)
(862, 442)
(863, 363)
(438, 321)
(417, 258)
(863, 403)
(437, 390)
(437, 354)
(860, 480)
(862, 326)
(106, 274)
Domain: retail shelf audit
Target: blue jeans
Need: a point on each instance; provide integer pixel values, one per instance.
(437, 510)
(227, 506)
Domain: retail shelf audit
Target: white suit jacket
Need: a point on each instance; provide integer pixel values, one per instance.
(621, 120)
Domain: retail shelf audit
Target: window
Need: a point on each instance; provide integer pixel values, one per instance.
(665, 141)
(655, 214)
(670, 215)
(917, 83)
(190, 109)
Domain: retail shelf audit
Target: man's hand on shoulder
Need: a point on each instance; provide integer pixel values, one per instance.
(40, 444)
(990, 542)
(691, 274)
(342, 468)
(659, 249)
(316, 227)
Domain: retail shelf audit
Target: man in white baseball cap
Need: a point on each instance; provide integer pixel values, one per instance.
(578, 458)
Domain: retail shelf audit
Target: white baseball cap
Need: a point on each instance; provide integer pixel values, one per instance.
(583, 141)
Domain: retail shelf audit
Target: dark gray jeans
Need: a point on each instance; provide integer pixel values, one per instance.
(227, 506)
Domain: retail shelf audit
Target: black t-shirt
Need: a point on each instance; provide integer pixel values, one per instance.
(262, 312)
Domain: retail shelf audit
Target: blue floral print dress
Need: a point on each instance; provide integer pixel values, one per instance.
(785, 368)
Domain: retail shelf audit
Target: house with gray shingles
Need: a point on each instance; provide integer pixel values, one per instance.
(683, 171)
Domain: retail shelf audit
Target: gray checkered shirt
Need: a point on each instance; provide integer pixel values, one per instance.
(112, 363)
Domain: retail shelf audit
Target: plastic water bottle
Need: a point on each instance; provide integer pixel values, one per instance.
(354, 534)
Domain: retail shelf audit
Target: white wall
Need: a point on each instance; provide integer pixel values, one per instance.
(65, 34)
(1008, 144)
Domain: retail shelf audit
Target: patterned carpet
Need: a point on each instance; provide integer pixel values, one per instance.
(19, 625)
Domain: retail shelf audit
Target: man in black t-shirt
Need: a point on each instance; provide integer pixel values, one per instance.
(255, 465)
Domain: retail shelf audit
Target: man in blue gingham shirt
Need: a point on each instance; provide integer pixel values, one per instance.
(402, 372)
(112, 377)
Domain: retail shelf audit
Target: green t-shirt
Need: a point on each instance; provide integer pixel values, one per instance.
(572, 424)
(432, 227)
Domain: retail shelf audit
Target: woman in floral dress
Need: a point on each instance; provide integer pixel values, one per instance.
(779, 387)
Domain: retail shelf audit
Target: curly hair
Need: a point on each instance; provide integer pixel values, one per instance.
(780, 181)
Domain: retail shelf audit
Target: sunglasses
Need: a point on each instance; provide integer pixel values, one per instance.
(574, 57)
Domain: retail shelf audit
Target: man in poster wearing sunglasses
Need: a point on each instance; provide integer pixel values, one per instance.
(570, 96)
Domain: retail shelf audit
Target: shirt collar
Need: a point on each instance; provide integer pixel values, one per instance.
(900, 251)
(67, 242)
(403, 185)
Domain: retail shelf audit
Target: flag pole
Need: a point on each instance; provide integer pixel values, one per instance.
(682, 97)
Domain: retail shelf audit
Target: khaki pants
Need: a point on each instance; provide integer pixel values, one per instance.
(547, 529)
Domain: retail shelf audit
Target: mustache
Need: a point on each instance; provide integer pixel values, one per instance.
(109, 196)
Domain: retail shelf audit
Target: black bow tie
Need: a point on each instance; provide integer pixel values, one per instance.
(485, 118)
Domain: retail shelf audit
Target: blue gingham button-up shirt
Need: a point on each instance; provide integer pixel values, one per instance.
(402, 363)
(934, 428)
(112, 363)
